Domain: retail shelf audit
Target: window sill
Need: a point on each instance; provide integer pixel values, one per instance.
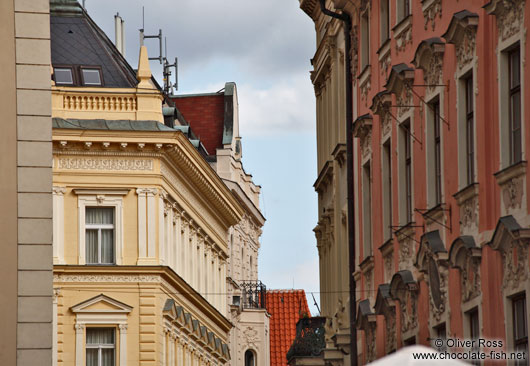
(513, 171)
(367, 264)
(364, 76)
(466, 193)
(402, 25)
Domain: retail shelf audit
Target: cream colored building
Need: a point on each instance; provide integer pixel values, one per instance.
(249, 338)
(141, 220)
(25, 184)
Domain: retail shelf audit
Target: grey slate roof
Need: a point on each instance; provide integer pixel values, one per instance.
(77, 40)
(118, 125)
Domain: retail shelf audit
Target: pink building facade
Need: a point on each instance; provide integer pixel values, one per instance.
(441, 143)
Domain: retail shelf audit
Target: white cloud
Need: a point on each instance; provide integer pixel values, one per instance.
(285, 107)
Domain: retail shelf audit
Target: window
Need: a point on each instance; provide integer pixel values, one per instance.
(249, 358)
(407, 156)
(387, 190)
(63, 76)
(435, 108)
(385, 20)
(520, 330)
(403, 9)
(100, 346)
(91, 76)
(470, 134)
(99, 234)
(514, 66)
(365, 39)
(441, 333)
(367, 210)
(474, 330)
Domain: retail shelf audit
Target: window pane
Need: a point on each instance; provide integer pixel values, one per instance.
(91, 356)
(63, 76)
(100, 336)
(91, 76)
(107, 357)
(107, 246)
(515, 75)
(91, 244)
(99, 215)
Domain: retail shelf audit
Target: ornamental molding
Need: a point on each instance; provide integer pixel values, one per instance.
(109, 164)
(80, 278)
(192, 200)
(432, 260)
(429, 58)
(251, 337)
(462, 33)
(465, 255)
(354, 51)
(431, 10)
(404, 289)
(512, 183)
(362, 129)
(403, 34)
(512, 241)
(509, 15)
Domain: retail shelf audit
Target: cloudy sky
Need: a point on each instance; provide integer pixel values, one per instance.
(265, 47)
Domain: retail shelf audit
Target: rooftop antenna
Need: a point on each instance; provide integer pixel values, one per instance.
(84, 5)
(160, 58)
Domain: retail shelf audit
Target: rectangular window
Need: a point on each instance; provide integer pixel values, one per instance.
(470, 134)
(520, 328)
(367, 210)
(91, 76)
(63, 76)
(408, 170)
(474, 330)
(387, 190)
(403, 9)
(99, 234)
(100, 346)
(435, 108)
(385, 20)
(514, 66)
(365, 39)
(441, 333)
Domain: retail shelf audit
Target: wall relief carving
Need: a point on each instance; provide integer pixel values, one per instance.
(431, 10)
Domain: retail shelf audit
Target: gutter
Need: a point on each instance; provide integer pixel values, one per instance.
(346, 19)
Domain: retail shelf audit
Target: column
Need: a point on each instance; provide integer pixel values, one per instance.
(146, 226)
(79, 344)
(123, 344)
(58, 224)
(163, 212)
(207, 272)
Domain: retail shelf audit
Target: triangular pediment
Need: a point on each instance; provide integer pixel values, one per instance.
(101, 304)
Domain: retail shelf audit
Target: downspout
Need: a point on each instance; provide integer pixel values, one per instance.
(346, 19)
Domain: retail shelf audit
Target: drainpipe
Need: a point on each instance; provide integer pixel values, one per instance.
(346, 19)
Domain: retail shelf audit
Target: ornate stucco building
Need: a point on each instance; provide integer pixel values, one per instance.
(215, 118)
(441, 136)
(154, 235)
(25, 184)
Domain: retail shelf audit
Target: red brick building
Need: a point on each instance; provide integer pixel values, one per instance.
(441, 138)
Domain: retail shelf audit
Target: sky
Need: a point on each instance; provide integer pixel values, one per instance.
(264, 47)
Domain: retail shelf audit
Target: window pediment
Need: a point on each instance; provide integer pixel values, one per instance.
(466, 255)
(429, 57)
(433, 247)
(383, 301)
(381, 102)
(399, 75)
(101, 304)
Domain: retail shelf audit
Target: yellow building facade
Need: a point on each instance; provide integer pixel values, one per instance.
(140, 220)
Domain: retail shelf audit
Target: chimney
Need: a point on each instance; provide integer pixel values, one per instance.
(120, 33)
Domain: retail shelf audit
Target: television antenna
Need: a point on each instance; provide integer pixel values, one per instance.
(143, 36)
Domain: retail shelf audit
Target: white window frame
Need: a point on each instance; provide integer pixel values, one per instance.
(101, 198)
(402, 188)
(100, 227)
(430, 150)
(86, 315)
(101, 346)
(503, 97)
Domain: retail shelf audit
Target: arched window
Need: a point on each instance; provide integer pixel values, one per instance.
(249, 358)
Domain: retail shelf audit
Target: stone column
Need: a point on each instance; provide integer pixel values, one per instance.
(123, 344)
(79, 344)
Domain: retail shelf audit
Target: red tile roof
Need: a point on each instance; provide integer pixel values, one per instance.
(286, 307)
(205, 114)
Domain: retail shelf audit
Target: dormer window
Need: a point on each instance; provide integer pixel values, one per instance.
(91, 76)
(63, 76)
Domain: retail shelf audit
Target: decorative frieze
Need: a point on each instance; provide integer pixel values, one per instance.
(112, 164)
